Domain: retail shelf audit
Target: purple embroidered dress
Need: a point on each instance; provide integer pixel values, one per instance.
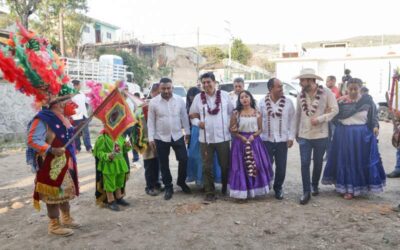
(244, 182)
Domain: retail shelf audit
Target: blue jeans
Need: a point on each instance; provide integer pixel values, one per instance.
(277, 152)
(163, 150)
(397, 167)
(316, 148)
(86, 136)
(128, 133)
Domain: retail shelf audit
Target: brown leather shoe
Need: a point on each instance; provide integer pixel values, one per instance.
(56, 229)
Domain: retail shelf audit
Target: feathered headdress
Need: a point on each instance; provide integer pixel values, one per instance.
(36, 70)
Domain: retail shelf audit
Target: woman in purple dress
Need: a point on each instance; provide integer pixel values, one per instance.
(251, 171)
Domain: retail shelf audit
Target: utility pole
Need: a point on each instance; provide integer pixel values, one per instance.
(228, 30)
(61, 30)
(198, 51)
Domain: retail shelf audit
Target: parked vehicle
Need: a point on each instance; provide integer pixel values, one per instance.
(108, 69)
(228, 86)
(258, 88)
(382, 107)
(177, 90)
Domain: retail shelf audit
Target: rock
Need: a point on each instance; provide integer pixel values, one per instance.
(237, 222)
(269, 231)
(352, 219)
(17, 205)
(3, 210)
(119, 224)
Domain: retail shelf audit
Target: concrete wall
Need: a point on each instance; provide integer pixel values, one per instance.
(15, 113)
(89, 36)
(373, 71)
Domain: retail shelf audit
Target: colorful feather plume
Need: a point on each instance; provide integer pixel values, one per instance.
(29, 62)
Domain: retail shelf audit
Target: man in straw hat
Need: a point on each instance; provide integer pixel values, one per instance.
(316, 106)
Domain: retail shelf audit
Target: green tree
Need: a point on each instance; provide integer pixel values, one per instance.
(62, 22)
(213, 53)
(269, 65)
(22, 9)
(240, 52)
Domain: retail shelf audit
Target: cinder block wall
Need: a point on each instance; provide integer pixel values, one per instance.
(15, 112)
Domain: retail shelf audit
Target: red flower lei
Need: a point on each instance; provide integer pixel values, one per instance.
(217, 102)
(314, 104)
(278, 113)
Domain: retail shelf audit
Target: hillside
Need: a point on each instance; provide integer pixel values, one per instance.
(263, 51)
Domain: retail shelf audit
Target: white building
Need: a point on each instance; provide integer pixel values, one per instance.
(374, 65)
(98, 32)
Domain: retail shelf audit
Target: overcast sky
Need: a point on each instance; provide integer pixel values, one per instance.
(263, 22)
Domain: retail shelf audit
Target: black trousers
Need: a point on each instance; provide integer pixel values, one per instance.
(277, 152)
(152, 173)
(163, 150)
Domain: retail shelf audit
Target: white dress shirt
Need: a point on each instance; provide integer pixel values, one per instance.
(80, 112)
(131, 104)
(288, 129)
(234, 98)
(217, 126)
(167, 118)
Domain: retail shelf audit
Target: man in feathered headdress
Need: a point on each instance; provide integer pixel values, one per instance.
(30, 64)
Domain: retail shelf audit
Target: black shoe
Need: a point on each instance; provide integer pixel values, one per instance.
(122, 202)
(159, 189)
(151, 192)
(314, 190)
(210, 197)
(224, 190)
(393, 174)
(396, 209)
(185, 188)
(279, 194)
(113, 206)
(168, 194)
(305, 198)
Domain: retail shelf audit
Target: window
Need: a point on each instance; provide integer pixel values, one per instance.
(228, 87)
(179, 91)
(108, 35)
(86, 29)
(258, 88)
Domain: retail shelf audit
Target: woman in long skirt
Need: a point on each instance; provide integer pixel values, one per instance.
(251, 170)
(354, 164)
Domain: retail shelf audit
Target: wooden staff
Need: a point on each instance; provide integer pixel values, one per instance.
(205, 135)
(86, 122)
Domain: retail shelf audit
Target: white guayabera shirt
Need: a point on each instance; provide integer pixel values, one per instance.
(217, 126)
(166, 119)
(288, 129)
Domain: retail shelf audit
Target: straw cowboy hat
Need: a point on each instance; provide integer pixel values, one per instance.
(308, 73)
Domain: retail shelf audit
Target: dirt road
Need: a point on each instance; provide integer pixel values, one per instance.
(327, 222)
